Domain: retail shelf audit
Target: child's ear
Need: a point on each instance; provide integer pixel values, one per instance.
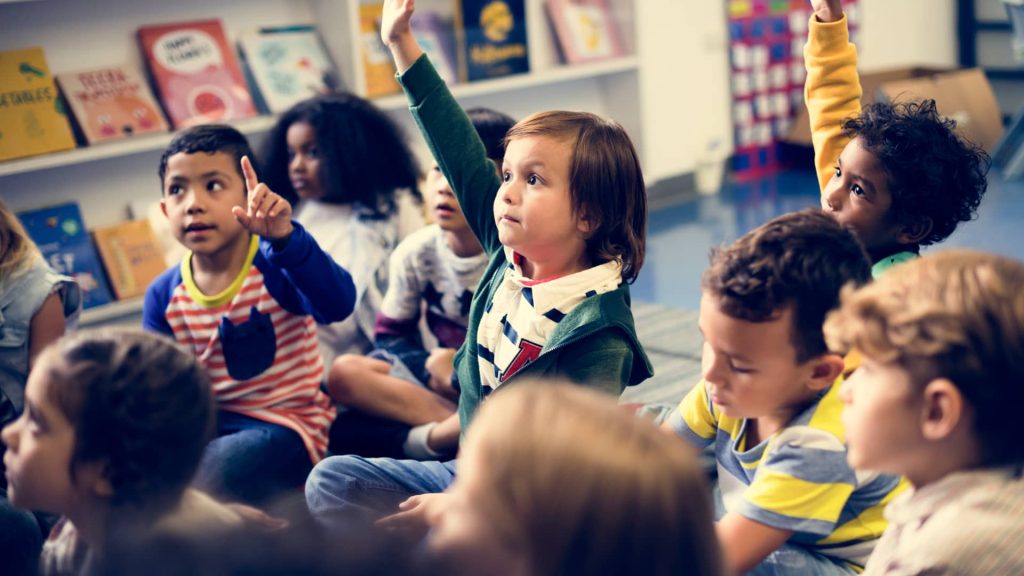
(916, 231)
(824, 371)
(94, 477)
(943, 409)
(163, 206)
(585, 225)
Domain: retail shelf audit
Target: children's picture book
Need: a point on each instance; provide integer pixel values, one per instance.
(586, 30)
(195, 72)
(33, 119)
(436, 35)
(494, 38)
(378, 68)
(131, 255)
(60, 233)
(111, 103)
(285, 66)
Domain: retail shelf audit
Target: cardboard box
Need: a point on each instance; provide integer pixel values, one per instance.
(964, 95)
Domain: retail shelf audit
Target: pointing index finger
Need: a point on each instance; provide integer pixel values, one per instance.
(251, 181)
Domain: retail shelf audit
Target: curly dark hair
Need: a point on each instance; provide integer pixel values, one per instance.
(140, 404)
(366, 157)
(933, 173)
(210, 139)
(803, 260)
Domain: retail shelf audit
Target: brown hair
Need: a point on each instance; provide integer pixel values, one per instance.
(583, 487)
(16, 247)
(606, 183)
(799, 260)
(138, 403)
(957, 315)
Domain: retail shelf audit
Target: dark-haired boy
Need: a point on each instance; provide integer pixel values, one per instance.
(768, 403)
(245, 300)
(897, 175)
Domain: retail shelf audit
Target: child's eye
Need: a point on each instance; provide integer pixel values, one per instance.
(857, 191)
(313, 153)
(506, 176)
(173, 190)
(214, 186)
(838, 171)
(533, 180)
(740, 370)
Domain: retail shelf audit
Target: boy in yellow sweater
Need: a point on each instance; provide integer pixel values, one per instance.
(896, 175)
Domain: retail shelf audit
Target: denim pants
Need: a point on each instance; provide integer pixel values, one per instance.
(346, 492)
(252, 461)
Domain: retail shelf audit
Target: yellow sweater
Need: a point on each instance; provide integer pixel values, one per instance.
(832, 91)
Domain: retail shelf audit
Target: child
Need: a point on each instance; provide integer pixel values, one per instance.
(936, 398)
(768, 403)
(113, 428)
(245, 306)
(37, 304)
(896, 175)
(439, 267)
(346, 168)
(533, 499)
(564, 230)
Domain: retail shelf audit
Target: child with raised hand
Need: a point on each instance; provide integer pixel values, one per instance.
(937, 398)
(36, 305)
(769, 403)
(403, 384)
(897, 175)
(114, 426)
(532, 499)
(346, 168)
(564, 228)
(246, 300)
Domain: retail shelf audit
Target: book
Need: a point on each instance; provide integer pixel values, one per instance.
(32, 115)
(131, 255)
(195, 73)
(494, 38)
(60, 234)
(111, 103)
(286, 66)
(436, 35)
(378, 68)
(586, 30)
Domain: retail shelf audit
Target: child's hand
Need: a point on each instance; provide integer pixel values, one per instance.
(268, 214)
(415, 515)
(396, 33)
(440, 364)
(827, 10)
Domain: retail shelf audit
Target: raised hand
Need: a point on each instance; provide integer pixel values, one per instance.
(827, 10)
(267, 214)
(396, 32)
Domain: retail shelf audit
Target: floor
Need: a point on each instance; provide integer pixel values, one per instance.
(680, 237)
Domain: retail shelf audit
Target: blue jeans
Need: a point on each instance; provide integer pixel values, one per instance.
(345, 492)
(252, 461)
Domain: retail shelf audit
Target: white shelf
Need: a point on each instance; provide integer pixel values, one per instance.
(262, 124)
(106, 312)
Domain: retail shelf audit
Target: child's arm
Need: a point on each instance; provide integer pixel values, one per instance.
(47, 326)
(746, 543)
(832, 90)
(450, 135)
(154, 305)
(696, 419)
(315, 285)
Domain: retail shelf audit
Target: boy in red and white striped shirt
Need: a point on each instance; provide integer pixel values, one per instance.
(246, 299)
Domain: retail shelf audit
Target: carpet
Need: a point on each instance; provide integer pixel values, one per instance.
(673, 343)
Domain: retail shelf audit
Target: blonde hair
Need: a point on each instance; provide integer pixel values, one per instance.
(17, 250)
(957, 315)
(581, 486)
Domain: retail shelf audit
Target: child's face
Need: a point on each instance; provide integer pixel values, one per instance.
(464, 537)
(304, 160)
(199, 191)
(533, 208)
(750, 367)
(881, 414)
(39, 448)
(443, 204)
(858, 197)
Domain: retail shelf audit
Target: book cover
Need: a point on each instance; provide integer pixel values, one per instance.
(32, 115)
(286, 66)
(494, 38)
(195, 73)
(586, 30)
(378, 68)
(131, 255)
(111, 103)
(436, 35)
(60, 233)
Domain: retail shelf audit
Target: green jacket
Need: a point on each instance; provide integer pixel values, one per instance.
(596, 343)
